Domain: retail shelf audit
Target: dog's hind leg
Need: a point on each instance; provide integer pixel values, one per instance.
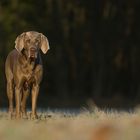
(10, 94)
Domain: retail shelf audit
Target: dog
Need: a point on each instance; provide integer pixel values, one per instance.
(24, 70)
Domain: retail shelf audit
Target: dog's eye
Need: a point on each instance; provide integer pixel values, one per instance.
(36, 41)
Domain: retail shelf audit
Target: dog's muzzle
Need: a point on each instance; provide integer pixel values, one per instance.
(33, 53)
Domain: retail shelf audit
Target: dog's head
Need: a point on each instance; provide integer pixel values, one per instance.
(30, 43)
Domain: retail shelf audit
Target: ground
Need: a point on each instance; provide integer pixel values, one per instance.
(87, 124)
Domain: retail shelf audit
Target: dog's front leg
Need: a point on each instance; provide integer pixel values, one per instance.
(18, 100)
(35, 91)
(23, 102)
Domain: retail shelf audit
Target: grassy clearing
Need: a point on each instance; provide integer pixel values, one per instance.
(87, 125)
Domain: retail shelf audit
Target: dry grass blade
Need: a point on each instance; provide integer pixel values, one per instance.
(87, 125)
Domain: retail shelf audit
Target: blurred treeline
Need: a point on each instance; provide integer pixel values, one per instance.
(95, 47)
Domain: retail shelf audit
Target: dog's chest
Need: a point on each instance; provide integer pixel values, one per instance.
(28, 70)
(29, 76)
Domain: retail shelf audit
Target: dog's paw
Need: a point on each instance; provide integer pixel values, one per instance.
(33, 116)
(24, 116)
(11, 115)
(18, 116)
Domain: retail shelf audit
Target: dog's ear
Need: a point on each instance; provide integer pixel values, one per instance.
(44, 44)
(19, 42)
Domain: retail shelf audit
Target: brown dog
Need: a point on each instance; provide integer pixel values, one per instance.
(24, 71)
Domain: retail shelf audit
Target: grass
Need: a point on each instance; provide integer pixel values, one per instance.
(87, 125)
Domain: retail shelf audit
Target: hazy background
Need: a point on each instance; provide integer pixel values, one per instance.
(95, 49)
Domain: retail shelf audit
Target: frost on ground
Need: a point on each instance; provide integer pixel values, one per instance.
(86, 125)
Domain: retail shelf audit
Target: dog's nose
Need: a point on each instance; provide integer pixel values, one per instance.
(33, 49)
(32, 52)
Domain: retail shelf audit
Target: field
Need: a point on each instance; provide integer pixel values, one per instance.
(92, 124)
